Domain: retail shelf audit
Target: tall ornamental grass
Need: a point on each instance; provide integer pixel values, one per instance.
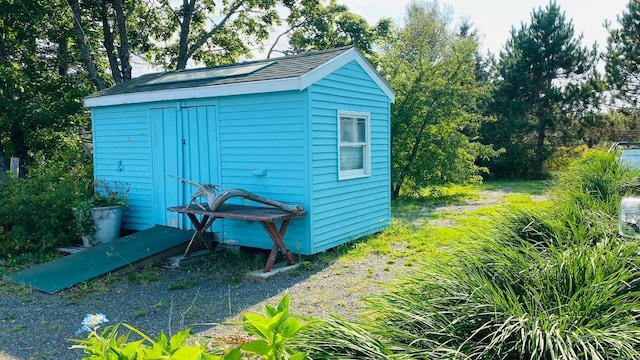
(547, 283)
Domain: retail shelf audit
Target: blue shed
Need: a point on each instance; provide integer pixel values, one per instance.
(311, 129)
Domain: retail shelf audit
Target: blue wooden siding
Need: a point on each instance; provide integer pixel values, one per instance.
(345, 210)
(263, 142)
(121, 150)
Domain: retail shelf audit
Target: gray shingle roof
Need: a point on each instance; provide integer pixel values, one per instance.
(283, 67)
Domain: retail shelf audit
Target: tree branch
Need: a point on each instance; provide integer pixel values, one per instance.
(82, 44)
(198, 44)
(109, 44)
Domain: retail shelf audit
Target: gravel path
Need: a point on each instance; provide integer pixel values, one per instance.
(34, 325)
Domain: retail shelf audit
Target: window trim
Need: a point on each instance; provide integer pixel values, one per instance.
(366, 171)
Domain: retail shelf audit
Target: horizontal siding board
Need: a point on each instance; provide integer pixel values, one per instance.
(337, 237)
(265, 130)
(276, 111)
(353, 86)
(344, 101)
(120, 133)
(272, 171)
(356, 226)
(130, 126)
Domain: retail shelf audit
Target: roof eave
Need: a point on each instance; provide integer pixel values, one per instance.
(253, 87)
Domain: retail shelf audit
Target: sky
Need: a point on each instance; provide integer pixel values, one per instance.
(494, 18)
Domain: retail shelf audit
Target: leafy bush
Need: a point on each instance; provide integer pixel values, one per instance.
(35, 212)
(268, 339)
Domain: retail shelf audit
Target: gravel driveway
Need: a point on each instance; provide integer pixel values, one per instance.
(35, 325)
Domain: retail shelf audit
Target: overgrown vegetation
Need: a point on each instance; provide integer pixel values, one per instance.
(36, 212)
(536, 285)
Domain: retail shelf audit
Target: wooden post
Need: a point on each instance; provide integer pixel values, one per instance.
(15, 166)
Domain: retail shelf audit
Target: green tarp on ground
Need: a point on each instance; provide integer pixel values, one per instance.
(73, 269)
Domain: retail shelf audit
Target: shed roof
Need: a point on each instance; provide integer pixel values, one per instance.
(295, 72)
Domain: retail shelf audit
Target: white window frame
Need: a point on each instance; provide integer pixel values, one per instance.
(355, 173)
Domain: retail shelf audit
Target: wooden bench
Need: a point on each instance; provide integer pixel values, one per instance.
(267, 216)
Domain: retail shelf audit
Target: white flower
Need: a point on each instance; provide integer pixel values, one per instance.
(92, 321)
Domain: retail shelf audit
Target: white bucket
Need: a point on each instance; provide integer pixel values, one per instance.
(107, 222)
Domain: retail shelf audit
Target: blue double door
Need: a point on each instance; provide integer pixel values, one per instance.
(184, 145)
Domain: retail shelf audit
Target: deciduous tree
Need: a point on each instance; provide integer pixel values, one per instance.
(319, 24)
(40, 85)
(434, 121)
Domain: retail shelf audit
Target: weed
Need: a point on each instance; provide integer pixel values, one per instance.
(306, 265)
(143, 277)
(181, 285)
(158, 305)
(294, 273)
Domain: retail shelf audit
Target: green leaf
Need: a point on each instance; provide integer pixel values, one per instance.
(298, 356)
(284, 303)
(290, 327)
(270, 310)
(131, 349)
(257, 324)
(187, 352)
(234, 354)
(178, 339)
(258, 347)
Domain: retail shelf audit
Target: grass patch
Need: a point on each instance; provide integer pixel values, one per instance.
(518, 186)
(413, 238)
(144, 276)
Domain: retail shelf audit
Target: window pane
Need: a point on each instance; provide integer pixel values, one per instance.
(362, 130)
(351, 158)
(346, 130)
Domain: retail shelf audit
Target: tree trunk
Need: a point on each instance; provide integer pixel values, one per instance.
(185, 25)
(63, 55)
(540, 157)
(109, 46)
(417, 143)
(82, 44)
(123, 50)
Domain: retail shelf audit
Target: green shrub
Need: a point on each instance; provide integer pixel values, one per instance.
(35, 212)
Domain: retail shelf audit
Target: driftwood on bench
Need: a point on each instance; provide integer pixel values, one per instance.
(214, 200)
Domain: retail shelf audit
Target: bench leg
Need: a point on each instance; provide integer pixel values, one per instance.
(201, 227)
(278, 243)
